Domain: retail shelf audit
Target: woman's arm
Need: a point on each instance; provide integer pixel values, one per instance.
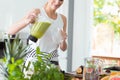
(29, 18)
(63, 44)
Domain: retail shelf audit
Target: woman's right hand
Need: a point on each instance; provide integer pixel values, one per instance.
(31, 16)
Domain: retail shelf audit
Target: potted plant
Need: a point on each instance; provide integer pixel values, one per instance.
(44, 70)
(11, 65)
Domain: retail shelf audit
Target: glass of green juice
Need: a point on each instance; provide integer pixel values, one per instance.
(39, 28)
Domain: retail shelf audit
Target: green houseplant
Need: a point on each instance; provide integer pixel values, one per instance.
(12, 62)
(11, 65)
(44, 70)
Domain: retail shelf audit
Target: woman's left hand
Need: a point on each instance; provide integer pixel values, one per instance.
(63, 44)
(64, 35)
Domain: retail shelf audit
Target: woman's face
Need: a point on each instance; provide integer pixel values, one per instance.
(54, 4)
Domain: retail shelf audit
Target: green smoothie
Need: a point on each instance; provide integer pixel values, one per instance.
(39, 28)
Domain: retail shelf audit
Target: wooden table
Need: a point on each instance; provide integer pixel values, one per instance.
(74, 75)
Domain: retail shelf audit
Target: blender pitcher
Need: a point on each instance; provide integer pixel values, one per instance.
(39, 28)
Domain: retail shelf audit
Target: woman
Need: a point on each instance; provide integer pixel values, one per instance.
(51, 40)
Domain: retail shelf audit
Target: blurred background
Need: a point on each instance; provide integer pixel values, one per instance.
(93, 28)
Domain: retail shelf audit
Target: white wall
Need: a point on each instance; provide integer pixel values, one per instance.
(81, 32)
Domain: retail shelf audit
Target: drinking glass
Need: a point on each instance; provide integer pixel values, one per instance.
(91, 71)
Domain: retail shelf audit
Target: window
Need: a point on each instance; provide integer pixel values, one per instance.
(106, 28)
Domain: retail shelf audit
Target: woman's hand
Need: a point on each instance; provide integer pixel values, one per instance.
(63, 34)
(63, 44)
(31, 16)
